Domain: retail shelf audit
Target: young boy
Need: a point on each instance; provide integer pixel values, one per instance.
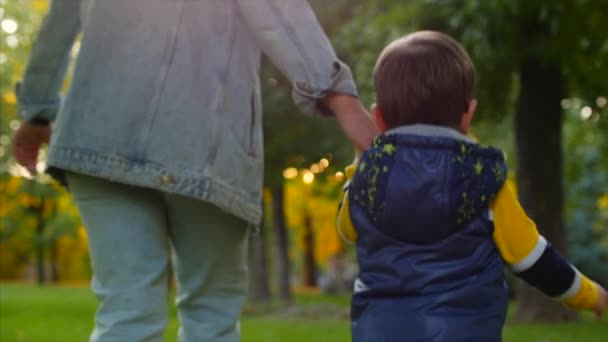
(431, 215)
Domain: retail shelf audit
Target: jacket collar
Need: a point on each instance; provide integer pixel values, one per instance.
(431, 131)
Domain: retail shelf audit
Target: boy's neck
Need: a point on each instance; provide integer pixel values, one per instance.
(431, 131)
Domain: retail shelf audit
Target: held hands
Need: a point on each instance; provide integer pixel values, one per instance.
(27, 142)
(355, 121)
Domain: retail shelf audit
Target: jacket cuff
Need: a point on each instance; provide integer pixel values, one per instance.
(307, 96)
(36, 112)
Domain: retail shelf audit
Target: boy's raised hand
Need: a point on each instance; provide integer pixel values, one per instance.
(602, 303)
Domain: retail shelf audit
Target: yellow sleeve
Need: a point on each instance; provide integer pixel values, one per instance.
(344, 223)
(586, 297)
(515, 234)
(521, 247)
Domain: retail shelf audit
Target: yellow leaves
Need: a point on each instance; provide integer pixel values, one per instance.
(602, 203)
(28, 223)
(40, 5)
(27, 200)
(48, 210)
(82, 233)
(72, 261)
(23, 212)
(12, 185)
(9, 98)
(299, 203)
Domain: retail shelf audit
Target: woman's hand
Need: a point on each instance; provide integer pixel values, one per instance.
(27, 142)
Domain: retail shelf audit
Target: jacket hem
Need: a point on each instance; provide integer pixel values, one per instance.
(149, 174)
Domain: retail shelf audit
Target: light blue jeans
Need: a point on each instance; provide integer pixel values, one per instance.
(130, 231)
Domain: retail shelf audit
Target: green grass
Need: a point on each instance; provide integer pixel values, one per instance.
(65, 314)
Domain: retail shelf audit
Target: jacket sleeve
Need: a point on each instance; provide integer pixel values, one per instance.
(290, 35)
(533, 259)
(39, 91)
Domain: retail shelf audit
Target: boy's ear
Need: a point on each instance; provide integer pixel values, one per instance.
(378, 119)
(467, 117)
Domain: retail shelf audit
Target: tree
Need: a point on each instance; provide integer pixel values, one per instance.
(259, 288)
(35, 216)
(586, 170)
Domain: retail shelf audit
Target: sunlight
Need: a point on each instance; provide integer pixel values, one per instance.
(12, 41)
(19, 171)
(339, 176)
(4, 140)
(9, 26)
(308, 177)
(586, 113)
(14, 125)
(75, 49)
(41, 167)
(290, 173)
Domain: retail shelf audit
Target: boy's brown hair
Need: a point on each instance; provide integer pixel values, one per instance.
(425, 77)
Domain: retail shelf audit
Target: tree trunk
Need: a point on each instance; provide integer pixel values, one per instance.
(538, 131)
(259, 289)
(282, 241)
(54, 261)
(310, 268)
(39, 244)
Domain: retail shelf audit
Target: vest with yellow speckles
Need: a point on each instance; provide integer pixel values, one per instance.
(429, 269)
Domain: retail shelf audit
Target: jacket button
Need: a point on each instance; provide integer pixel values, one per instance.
(167, 180)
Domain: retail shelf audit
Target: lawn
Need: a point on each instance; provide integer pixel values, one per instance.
(64, 314)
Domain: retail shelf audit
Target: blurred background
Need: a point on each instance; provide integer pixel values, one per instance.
(543, 91)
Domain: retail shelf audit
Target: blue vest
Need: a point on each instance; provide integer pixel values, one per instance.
(429, 269)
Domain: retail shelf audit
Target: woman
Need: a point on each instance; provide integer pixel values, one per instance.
(160, 141)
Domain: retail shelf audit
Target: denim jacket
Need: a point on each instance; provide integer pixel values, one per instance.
(165, 94)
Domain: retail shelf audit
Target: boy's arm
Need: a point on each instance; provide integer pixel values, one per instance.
(39, 92)
(534, 260)
(344, 223)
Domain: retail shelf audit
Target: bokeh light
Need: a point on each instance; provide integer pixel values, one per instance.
(14, 125)
(9, 26)
(339, 176)
(12, 41)
(308, 177)
(586, 113)
(290, 173)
